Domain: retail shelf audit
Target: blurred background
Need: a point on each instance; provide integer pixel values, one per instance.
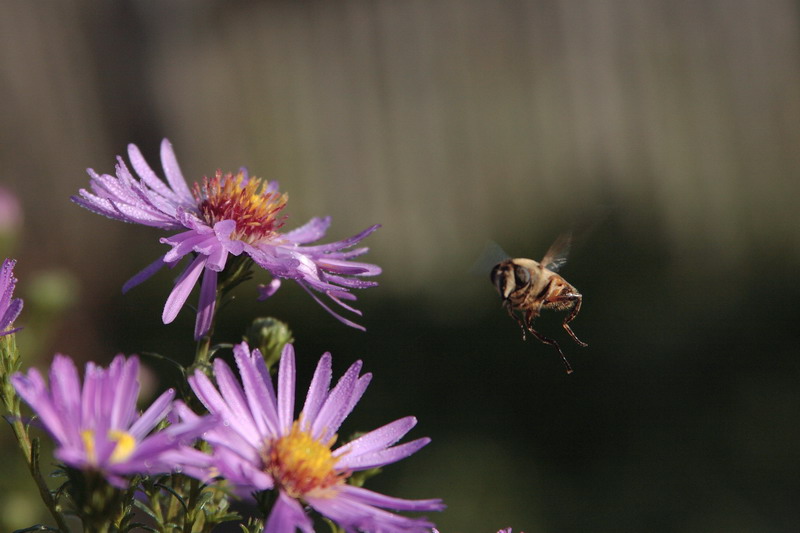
(665, 133)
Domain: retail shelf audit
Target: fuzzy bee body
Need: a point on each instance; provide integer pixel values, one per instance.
(527, 286)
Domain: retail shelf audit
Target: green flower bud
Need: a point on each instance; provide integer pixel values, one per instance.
(269, 335)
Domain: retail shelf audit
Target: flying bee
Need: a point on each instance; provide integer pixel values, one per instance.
(529, 286)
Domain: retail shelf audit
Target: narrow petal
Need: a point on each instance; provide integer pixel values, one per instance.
(382, 457)
(354, 514)
(207, 304)
(183, 286)
(351, 268)
(208, 395)
(335, 296)
(286, 516)
(258, 389)
(65, 390)
(33, 390)
(154, 414)
(377, 439)
(330, 414)
(351, 283)
(398, 504)
(339, 317)
(143, 275)
(265, 291)
(93, 406)
(245, 474)
(237, 413)
(311, 231)
(318, 390)
(173, 172)
(286, 379)
(186, 242)
(9, 307)
(124, 393)
(350, 399)
(146, 173)
(345, 243)
(160, 441)
(225, 438)
(223, 231)
(7, 280)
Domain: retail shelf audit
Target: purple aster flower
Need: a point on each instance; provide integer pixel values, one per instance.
(97, 427)
(229, 214)
(9, 307)
(260, 446)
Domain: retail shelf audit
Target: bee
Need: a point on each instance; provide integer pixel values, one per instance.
(528, 286)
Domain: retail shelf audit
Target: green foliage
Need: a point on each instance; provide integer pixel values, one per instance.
(180, 504)
(269, 335)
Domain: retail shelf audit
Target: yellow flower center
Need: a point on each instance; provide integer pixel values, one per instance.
(230, 197)
(126, 444)
(302, 465)
(87, 436)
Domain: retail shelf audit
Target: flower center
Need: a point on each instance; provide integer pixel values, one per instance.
(87, 436)
(302, 465)
(247, 201)
(125, 446)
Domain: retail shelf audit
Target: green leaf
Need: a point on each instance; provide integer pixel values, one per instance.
(175, 494)
(145, 509)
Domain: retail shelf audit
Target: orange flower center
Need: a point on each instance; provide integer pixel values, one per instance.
(302, 465)
(245, 201)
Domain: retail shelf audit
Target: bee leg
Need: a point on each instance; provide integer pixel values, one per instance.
(551, 342)
(522, 324)
(576, 300)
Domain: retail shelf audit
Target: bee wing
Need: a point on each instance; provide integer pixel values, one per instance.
(491, 255)
(556, 256)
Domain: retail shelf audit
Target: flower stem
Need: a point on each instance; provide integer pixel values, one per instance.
(10, 363)
(237, 271)
(203, 352)
(201, 355)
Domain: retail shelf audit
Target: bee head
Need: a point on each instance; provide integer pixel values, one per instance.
(509, 277)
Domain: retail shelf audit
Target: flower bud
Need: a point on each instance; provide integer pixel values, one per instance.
(269, 335)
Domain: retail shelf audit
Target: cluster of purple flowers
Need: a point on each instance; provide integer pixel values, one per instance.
(253, 438)
(257, 443)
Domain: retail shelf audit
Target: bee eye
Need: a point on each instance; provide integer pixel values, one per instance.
(498, 277)
(522, 276)
(495, 273)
